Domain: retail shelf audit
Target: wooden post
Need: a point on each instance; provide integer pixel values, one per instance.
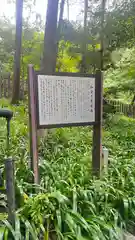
(9, 87)
(122, 109)
(133, 111)
(97, 128)
(34, 118)
(4, 84)
(10, 189)
(33, 124)
(23, 88)
(0, 88)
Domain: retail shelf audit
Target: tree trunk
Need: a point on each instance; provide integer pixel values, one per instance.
(102, 34)
(59, 29)
(48, 64)
(17, 57)
(68, 10)
(50, 39)
(84, 44)
(133, 100)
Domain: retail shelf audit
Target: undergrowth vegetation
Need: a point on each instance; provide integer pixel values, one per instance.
(70, 203)
(119, 81)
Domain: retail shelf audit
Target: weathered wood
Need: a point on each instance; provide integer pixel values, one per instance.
(9, 86)
(126, 109)
(10, 190)
(33, 124)
(97, 128)
(4, 86)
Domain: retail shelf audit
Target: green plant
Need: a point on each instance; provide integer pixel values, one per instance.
(71, 203)
(23, 230)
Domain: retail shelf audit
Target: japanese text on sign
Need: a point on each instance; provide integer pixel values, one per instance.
(66, 100)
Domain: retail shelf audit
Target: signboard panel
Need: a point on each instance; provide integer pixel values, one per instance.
(65, 100)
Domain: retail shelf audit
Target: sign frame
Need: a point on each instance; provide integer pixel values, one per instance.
(34, 117)
(50, 126)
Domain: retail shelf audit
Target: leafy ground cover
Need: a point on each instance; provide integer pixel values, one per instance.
(71, 204)
(119, 81)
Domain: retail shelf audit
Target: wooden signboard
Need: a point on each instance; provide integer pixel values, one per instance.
(65, 100)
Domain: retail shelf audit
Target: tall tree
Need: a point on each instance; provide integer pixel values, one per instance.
(17, 56)
(48, 63)
(50, 38)
(58, 34)
(84, 43)
(102, 32)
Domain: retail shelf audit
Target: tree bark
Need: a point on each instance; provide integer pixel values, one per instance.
(68, 10)
(17, 56)
(102, 34)
(84, 44)
(48, 64)
(59, 29)
(50, 39)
